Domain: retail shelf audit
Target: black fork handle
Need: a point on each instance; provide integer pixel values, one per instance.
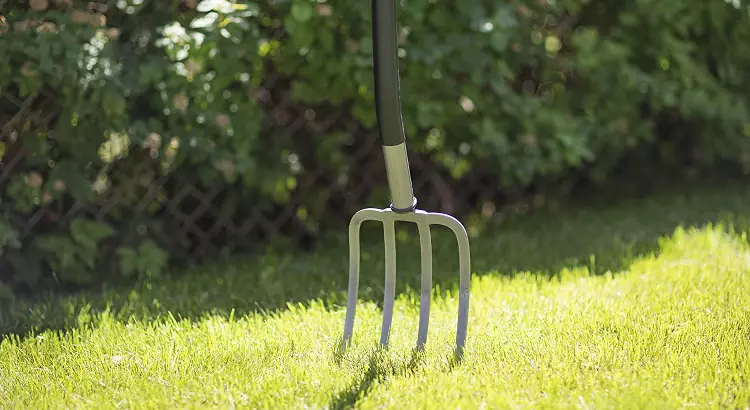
(388, 105)
(385, 62)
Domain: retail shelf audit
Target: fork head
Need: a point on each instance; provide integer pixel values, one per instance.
(388, 217)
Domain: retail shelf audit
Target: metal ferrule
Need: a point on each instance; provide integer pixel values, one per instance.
(399, 178)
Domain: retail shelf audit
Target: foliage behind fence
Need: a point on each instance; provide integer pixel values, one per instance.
(138, 134)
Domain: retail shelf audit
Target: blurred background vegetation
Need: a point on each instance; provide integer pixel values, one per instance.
(141, 135)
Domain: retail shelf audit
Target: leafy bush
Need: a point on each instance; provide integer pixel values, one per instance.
(139, 101)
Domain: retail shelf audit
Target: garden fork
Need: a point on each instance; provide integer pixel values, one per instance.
(403, 203)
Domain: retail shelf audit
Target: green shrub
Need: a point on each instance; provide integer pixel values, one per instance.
(146, 99)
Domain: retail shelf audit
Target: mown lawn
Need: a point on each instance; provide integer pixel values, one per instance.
(641, 305)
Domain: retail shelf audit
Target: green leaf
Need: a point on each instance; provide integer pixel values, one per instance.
(222, 6)
(153, 258)
(148, 260)
(505, 17)
(113, 103)
(88, 233)
(62, 247)
(302, 11)
(365, 45)
(36, 143)
(500, 40)
(128, 261)
(209, 20)
(67, 171)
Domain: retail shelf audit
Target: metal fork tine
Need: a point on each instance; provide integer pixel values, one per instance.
(389, 236)
(354, 260)
(425, 240)
(464, 260)
(464, 263)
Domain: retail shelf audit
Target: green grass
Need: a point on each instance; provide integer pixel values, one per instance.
(645, 304)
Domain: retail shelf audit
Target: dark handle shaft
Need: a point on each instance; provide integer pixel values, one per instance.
(388, 105)
(385, 61)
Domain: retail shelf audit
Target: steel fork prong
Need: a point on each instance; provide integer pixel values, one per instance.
(464, 263)
(425, 241)
(389, 297)
(354, 264)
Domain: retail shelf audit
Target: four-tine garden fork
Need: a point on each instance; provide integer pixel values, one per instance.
(403, 203)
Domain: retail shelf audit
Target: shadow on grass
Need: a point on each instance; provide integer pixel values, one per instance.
(379, 368)
(605, 238)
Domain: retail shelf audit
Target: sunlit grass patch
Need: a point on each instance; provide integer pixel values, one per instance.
(671, 331)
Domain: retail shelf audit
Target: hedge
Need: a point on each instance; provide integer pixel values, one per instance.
(526, 91)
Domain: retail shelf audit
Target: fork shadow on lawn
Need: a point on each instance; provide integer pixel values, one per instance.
(379, 369)
(602, 239)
